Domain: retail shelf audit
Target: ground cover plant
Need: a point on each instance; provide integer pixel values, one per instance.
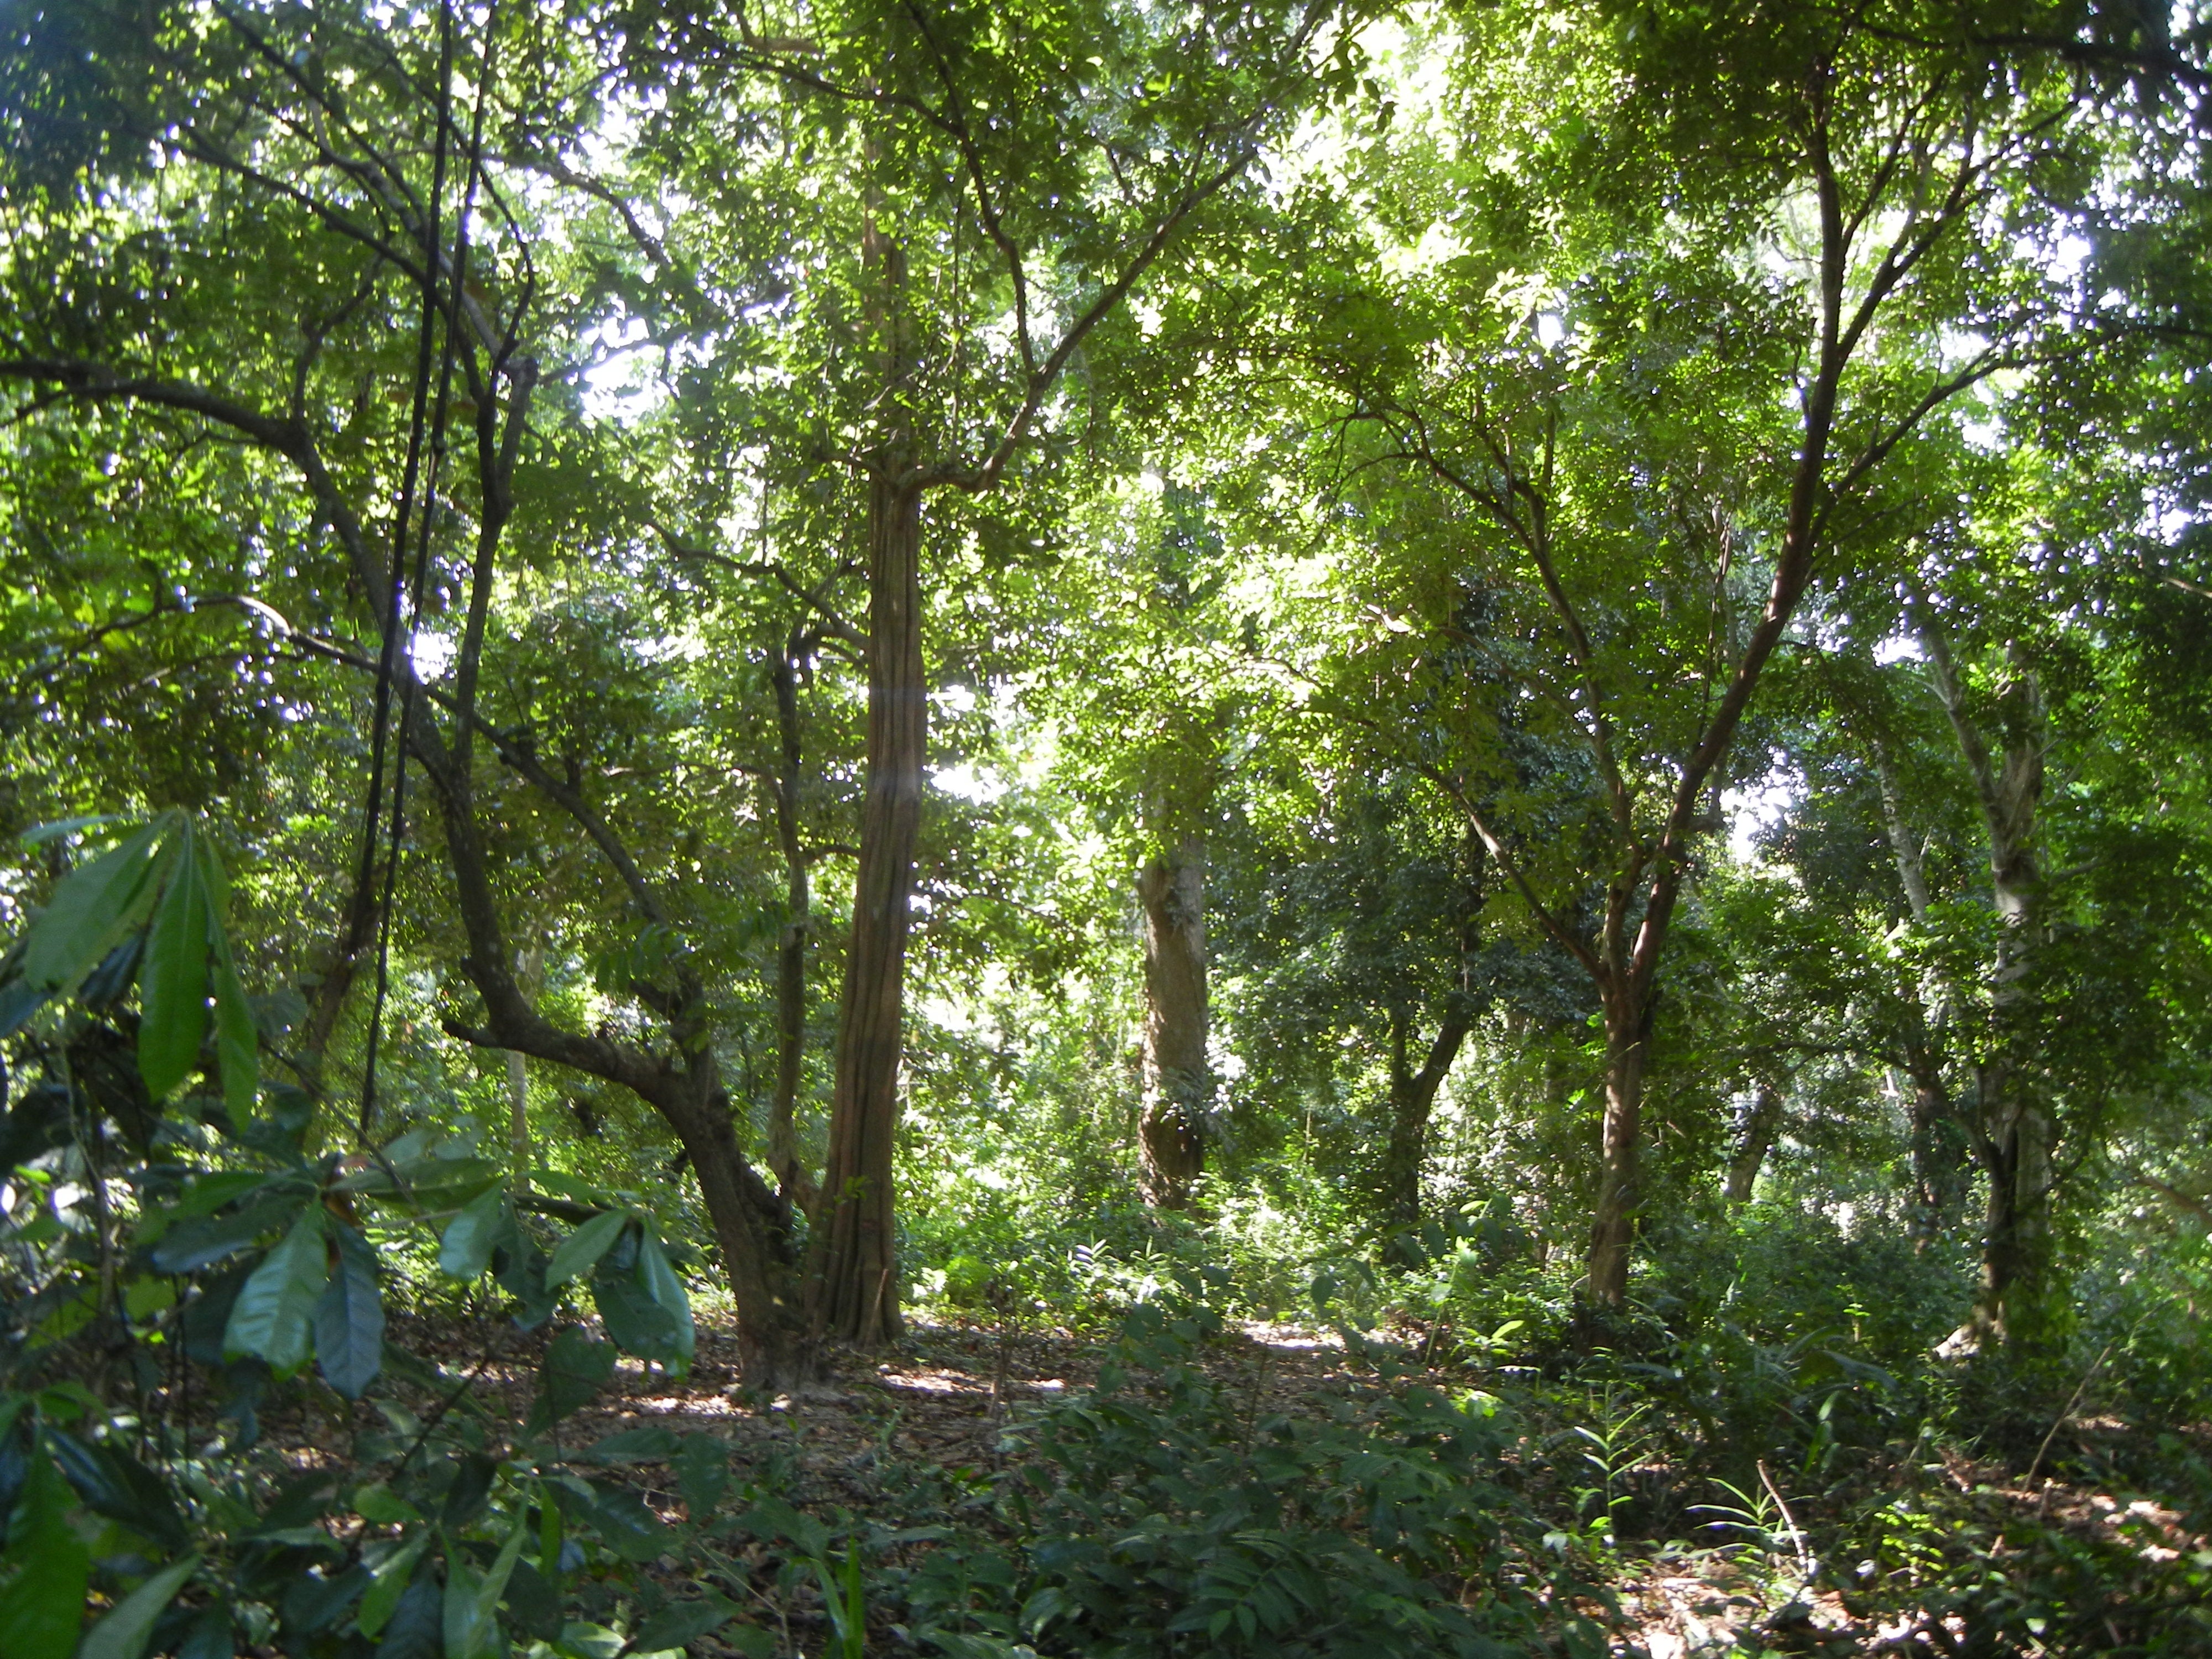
(1089, 830)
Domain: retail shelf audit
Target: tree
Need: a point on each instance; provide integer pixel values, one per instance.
(310, 135)
(1035, 174)
(1615, 475)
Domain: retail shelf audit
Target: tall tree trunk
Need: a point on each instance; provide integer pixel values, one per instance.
(783, 1160)
(854, 1290)
(1760, 1126)
(1412, 1105)
(1613, 1234)
(2018, 1301)
(1177, 1080)
(1938, 1146)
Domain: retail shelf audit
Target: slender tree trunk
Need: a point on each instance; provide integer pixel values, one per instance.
(854, 1286)
(2016, 1302)
(783, 1160)
(517, 1086)
(2020, 1301)
(1760, 1126)
(1413, 1106)
(1939, 1146)
(1178, 1082)
(1627, 1053)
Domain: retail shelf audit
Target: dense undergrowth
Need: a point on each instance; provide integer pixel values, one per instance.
(213, 1442)
(1493, 1475)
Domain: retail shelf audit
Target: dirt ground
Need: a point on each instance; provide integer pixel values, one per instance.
(944, 1400)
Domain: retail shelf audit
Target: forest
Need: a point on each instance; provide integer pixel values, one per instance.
(1105, 828)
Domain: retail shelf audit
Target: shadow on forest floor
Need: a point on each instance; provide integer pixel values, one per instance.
(944, 1399)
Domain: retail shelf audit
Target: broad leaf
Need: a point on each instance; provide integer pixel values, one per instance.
(582, 1248)
(472, 1610)
(470, 1236)
(349, 1319)
(237, 1044)
(114, 1483)
(681, 1622)
(122, 1634)
(574, 1369)
(667, 1291)
(92, 908)
(638, 1324)
(413, 1630)
(190, 1245)
(390, 1583)
(272, 1317)
(172, 984)
(43, 1606)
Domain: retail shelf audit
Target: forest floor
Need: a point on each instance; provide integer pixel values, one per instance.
(944, 1400)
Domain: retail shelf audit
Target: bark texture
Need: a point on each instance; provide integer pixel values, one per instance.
(1178, 1078)
(792, 1176)
(2018, 1303)
(852, 1288)
(1762, 1124)
(1412, 1105)
(1613, 1232)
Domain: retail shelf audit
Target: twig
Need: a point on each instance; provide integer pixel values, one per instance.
(1796, 1532)
(2095, 1366)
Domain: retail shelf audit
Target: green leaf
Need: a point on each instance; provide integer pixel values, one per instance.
(43, 1606)
(237, 1044)
(349, 1320)
(575, 1368)
(583, 1248)
(172, 983)
(681, 1622)
(638, 1324)
(412, 1632)
(626, 1525)
(667, 1291)
(472, 1612)
(92, 908)
(273, 1314)
(39, 834)
(190, 1245)
(470, 1236)
(114, 1483)
(122, 1634)
(391, 1579)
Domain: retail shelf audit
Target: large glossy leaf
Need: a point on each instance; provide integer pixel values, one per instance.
(237, 1045)
(638, 1324)
(349, 1319)
(667, 1291)
(413, 1630)
(575, 1368)
(93, 908)
(42, 1606)
(626, 1525)
(391, 1582)
(680, 1623)
(114, 1483)
(18, 1002)
(122, 1634)
(470, 1236)
(172, 984)
(272, 1318)
(190, 1245)
(472, 1610)
(578, 1252)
